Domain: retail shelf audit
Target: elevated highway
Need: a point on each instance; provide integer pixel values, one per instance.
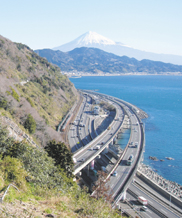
(125, 174)
(90, 151)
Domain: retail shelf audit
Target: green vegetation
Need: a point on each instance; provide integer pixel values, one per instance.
(30, 101)
(96, 61)
(42, 183)
(13, 171)
(44, 97)
(18, 67)
(62, 156)
(15, 95)
(44, 177)
(37, 86)
(30, 124)
(21, 46)
(3, 102)
(106, 106)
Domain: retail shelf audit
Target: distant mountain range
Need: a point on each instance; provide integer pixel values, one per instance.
(93, 60)
(94, 40)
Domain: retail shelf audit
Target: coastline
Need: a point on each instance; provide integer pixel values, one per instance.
(81, 74)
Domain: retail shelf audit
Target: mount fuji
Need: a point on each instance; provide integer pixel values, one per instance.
(95, 40)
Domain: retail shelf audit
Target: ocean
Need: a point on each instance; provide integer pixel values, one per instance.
(161, 98)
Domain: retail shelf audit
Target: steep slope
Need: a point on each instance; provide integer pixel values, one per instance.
(92, 39)
(95, 60)
(31, 85)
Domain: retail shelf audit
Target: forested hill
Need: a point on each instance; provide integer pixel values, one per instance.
(94, 60)
(30, 85)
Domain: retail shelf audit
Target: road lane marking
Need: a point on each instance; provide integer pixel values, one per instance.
(148, 215)
(150, 202)
(163, 211)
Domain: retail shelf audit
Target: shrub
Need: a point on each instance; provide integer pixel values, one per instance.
(14, 94)
(12, 171)
(3, 103)
(62, 156)
(41, 168)
(30, 124)
(8, 92)
(30, 101)
(18, 67)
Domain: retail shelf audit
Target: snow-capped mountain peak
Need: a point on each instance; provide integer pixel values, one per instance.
(93, 38)
(89, 39)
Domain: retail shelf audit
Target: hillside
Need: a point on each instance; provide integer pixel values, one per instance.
(31, 85)
(95, 61)
(41, 184)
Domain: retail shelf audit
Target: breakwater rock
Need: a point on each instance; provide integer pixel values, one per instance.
(153, 158)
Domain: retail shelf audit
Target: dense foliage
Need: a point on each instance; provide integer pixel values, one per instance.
(3, 102)
(15, 94)
(40, 168)
(30, 124)
(62, 156)
(39, 179)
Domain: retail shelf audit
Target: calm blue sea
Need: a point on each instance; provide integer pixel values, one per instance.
(161, 98)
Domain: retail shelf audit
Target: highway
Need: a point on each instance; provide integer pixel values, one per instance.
(122, 169)
(134, 146)
(91, 150)
(87, 139)
(155, 208)
(73, 136)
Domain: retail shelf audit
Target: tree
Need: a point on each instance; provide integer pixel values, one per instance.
(40, 167)
(30, 124)
(3, 102)
(101, 188)
(5, 141)
(62, 156)
(12, 171)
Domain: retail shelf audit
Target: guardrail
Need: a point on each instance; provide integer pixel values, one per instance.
(92, 142)
(134, 168)
(120, 158)
(167, 204)
(150, 206)
(87, 160)
(142, 143)
(18, 132)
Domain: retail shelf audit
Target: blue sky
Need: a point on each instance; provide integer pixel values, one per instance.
(150, 25)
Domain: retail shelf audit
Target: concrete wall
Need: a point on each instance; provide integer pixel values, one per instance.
(160, 190)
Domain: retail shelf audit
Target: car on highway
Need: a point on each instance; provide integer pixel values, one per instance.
(97, 147)
(143, 208)
(136, 145)
(115, 174)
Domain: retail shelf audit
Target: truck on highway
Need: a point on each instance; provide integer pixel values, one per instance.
(142, 200)
(74, 160)
(130, 160)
